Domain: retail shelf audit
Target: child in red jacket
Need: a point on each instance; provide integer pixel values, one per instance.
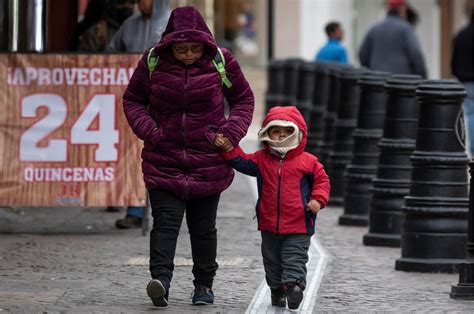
(292, 188)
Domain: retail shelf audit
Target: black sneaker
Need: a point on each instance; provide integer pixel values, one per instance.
(157, 293)
(278, 298)
(294, 294)
(129, 222)
(202, 295)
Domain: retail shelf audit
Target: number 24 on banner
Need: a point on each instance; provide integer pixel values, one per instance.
(105, 137)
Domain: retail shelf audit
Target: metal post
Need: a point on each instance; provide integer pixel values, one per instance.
(270, 29)
(465, 288)
(35, 25)
(13, 19)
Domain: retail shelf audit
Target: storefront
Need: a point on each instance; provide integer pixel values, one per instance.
(48, 25)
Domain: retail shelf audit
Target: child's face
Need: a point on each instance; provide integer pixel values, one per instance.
(188, 52)
(278, 133)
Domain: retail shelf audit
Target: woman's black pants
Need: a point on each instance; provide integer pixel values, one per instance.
(168, 212)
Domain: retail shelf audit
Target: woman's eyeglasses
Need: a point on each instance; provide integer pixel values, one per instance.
(184, 49)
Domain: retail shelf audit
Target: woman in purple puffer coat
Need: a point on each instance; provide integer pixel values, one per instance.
(177, 110)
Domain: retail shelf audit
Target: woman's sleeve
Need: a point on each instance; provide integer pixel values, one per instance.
(135, 101)
(241, 101)
(321, 185)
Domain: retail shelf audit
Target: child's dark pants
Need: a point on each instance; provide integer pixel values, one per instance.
(168, 212)
(284, 258)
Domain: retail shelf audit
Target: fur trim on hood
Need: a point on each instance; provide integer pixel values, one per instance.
(290, 114)
(285, 145)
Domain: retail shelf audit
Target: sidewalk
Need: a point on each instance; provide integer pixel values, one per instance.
(92, 267)
(363, 278)
(106, 271)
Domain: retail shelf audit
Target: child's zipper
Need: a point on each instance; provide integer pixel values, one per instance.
(280, 163)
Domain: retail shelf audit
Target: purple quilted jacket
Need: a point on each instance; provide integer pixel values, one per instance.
(179, 110)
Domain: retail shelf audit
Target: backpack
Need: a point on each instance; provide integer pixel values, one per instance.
(218, 61)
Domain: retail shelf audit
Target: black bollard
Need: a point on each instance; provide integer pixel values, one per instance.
(392, 182)
(276, 80)
(320, 98)
(290, 87)
(345, 124)
(363, 166)
(304, 90)
(465, 288)
(434, 228)
(326, 141)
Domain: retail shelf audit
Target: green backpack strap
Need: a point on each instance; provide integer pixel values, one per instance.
(152, 61)
(219, 63)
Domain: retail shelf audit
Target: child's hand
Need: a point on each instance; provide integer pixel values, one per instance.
(223, 143)
(314, 206)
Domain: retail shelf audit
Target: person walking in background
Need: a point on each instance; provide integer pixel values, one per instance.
(463, 68)
(333, 50)
(137, 33)
(174, 102)
(293, 187)
(142, 30)
(391, 45)
(97, 37)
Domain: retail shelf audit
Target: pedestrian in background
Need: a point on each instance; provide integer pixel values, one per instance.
(293, 187)
(391, 45)
(177, 109)
(333, 50)
(142, 30)
(463, 68)
(138, 33)
(113, 13)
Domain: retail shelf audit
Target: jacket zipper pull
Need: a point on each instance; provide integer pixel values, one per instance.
(279, 167)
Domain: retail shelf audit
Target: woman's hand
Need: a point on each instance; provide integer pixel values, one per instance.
(223, 143)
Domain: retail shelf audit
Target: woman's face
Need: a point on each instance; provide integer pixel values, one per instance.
(188, 52)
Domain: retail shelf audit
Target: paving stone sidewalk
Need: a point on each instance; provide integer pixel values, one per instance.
(363, 278)
(96, 268)
(107, 271)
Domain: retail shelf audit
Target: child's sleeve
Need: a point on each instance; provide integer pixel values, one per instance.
(321, 185)
(242, 162)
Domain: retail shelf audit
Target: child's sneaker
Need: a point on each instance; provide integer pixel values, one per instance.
(294, 294)
(202, 295)
(278, 298)
(158, 293)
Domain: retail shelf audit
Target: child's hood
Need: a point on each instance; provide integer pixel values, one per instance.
(289, 113)
(187, 25)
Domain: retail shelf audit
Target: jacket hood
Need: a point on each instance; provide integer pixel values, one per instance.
(187, 25)
(292, 114)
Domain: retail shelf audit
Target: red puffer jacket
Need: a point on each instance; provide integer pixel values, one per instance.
(179, 110)
(285, 185)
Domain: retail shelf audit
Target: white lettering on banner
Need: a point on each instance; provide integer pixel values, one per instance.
(67, 174)
(26, 76)
(104, 138)
(43, 76)
(55, 150)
